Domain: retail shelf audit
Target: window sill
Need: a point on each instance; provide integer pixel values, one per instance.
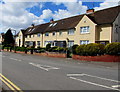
(84, 33)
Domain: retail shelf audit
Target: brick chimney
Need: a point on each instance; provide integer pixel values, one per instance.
(52, 20)
(90, 11)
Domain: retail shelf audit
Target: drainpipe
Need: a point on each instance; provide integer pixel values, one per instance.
(42, 40)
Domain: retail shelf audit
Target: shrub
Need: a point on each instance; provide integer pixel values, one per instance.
(57, 49)
(61, 49)
(41, 50)
(48, 46)
(80, 49)
(53, 49)
(101, 49)
(92, 49)
(74, 48)
(20, 48)
(113, 48)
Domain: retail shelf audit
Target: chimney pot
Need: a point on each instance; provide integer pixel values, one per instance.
(90, 11)
(52, 20)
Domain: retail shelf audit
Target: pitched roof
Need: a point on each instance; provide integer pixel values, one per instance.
(106, 16)
(64, 24)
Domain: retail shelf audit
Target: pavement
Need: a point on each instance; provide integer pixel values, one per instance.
(31, 72)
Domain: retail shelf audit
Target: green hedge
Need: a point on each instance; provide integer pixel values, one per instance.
(80, 50)
(94, 49)
(91, 49)
(113, 48)
(48, 46)
(74, 48)
(57, 49)
(20, 48)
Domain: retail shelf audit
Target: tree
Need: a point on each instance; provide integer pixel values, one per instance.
(8, 38)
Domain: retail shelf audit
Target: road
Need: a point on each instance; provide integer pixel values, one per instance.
(30, 72)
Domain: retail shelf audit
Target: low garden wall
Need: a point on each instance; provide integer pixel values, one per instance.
(52, 54)
(49, 54)
(102, 58)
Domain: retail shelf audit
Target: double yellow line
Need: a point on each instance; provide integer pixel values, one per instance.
(9, 84)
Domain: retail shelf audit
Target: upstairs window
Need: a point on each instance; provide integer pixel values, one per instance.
(53, 33)
(38, 35)
(84, 30)
(60, 32)
(71, 32)
(47, 34)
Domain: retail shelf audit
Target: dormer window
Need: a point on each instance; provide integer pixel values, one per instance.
(50, 25)
(54, 24)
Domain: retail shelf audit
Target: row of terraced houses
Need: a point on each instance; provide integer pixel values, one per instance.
(101, 26)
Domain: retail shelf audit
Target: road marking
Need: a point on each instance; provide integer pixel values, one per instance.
(2, 56)
(93, 83)
(83, 74)
(15, 59)
(10, 83)
(75, 74)
(44, 67)
(116, 86)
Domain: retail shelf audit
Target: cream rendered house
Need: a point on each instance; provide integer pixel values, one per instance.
(1, 38)
(93, 27)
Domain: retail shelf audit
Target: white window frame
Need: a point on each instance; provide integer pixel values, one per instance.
(70, 43)
(38, 43)
(85, 29)
(46, 42)
(71, 32)
(60, 33)
(84, 42)
(38, 35)
(47, 34)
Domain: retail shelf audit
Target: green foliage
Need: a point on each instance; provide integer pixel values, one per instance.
(41, 50)
(113, 48)
(74, 48)
(48, 46)
(80, 50)
(101, 49)
(53, 49)
(8, 38)
(57, 49)
(20, 48)
(91, 49)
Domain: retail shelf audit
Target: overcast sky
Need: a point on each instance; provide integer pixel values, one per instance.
(21, 14)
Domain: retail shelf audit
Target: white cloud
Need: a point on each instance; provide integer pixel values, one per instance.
(74, 7)
(61, 14)
(15, 15)
(46, 14)
(107, 4)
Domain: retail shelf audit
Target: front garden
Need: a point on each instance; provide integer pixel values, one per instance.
(89, 52)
